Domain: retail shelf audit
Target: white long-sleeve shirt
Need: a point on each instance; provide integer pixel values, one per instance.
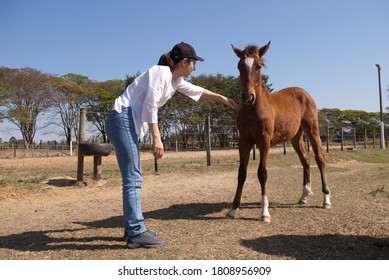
(151, 90)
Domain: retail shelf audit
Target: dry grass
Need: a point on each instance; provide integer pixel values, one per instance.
(45, 215)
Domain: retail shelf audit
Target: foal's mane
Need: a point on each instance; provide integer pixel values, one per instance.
(251, 50)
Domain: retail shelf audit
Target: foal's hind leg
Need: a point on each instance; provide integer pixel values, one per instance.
(314, 138)
(244, 155)
(301, 150)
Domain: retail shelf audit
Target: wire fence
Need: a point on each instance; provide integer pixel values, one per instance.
(185, 134)
(220, 137)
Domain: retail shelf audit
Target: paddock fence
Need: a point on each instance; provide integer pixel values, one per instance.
(208, 135)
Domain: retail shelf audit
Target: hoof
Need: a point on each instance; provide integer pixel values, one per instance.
(231, 214)
(302, 202)
(326, 206)
(265, 219)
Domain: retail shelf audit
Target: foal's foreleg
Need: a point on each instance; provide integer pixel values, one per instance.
(262, 177)
(244, 154)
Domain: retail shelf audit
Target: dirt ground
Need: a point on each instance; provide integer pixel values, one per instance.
(45, 214)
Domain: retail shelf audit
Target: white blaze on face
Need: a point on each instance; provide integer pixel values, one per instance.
(249, 63)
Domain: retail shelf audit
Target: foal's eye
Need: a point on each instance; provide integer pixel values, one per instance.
(258, 67)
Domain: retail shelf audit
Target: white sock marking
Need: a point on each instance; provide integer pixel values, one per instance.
(265, 206)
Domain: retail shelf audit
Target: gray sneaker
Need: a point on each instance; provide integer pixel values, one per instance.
(145, 240)
(150, 231)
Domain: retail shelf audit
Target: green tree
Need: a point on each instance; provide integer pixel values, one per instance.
(357, 119)
(360, 119)
(70, 93)
(25, 93)
(337, 119)
(3, 88)
(103, 98)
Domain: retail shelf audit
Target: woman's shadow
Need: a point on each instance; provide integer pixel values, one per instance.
(45, 240)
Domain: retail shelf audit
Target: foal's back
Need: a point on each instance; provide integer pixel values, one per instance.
(289, 109)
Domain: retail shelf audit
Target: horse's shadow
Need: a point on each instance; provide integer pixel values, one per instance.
(324, 247)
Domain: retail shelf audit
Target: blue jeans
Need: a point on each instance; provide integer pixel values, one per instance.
(120, 130)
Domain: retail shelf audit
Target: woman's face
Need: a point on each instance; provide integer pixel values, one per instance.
(187, 67)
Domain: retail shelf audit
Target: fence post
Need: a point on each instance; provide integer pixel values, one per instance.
(81, 138)
(284, 148)
(328, 138)
(308, 145)
(355, 138)
(70, 144)
(306, 140)
(365, 138)
(155, 164)
(208, 140)
(97, 167)
(341, 139)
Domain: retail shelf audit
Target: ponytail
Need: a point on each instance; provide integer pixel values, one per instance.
(166, 60)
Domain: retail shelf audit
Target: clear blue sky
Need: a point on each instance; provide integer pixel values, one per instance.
(329, 47)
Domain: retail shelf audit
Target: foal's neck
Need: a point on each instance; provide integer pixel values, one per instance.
(262, 95)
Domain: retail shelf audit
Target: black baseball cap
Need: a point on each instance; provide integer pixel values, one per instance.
(184, 50)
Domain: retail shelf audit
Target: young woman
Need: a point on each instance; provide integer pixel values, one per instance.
(135, 111)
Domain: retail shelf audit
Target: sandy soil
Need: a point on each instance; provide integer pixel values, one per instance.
(59, 219)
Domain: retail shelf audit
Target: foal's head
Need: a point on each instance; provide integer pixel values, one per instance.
(249, 66)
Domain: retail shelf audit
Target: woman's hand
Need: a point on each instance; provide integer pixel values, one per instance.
(158, 149)
(231, 102)
(207, 94)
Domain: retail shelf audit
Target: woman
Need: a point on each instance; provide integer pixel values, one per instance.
(135, 111)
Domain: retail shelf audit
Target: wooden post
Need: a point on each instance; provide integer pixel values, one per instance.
(365, 138)
(308, 145)
(208, 140)
(155, 164)
(71, 143)
(284, 148)
(81, 138)
(97, 160)
(355, 138)
(306, 141)
(328, 138)
(341, 139)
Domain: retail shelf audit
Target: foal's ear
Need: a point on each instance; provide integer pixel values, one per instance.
(238, 52)
(263, 50)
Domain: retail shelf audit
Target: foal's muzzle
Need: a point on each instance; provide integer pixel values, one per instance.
(249, 99)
